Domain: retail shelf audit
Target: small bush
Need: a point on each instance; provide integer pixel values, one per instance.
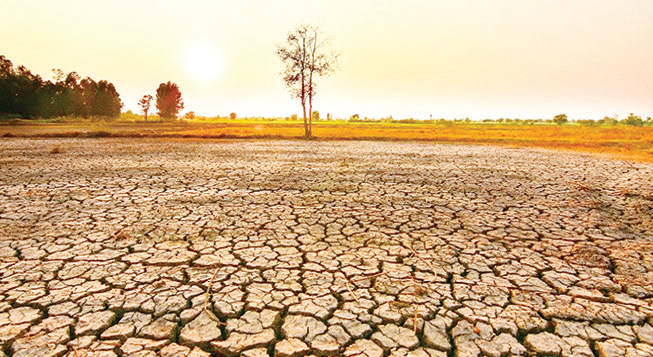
(586, 122)
(608, 121)
(634, 120)
(99, 134)
(560, 119)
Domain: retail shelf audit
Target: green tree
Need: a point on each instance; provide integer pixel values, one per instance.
(560, 119)
(306, 55)
(7, 79)
(586, 122)
(633, 120)
(168, 100)
(27, 95)
(316, 115)
(106, 100)
(70, 100)
(607, 120)
(20, 91)
(28, 92)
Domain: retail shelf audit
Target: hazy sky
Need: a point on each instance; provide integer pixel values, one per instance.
(409, 58)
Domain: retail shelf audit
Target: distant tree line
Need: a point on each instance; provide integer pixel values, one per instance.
(26, 95)
(560, 119)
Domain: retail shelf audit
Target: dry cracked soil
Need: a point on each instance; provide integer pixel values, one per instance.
(288, 248)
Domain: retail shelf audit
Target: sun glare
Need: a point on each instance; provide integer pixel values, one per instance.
(202, 62)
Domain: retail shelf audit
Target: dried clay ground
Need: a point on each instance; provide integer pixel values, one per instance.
(156, 247)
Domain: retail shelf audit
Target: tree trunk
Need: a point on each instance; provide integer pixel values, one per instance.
(311, 69)
(310, 113)
(307, 132)
(310, 103)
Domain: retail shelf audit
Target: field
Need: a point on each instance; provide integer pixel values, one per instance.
(189, 247)
(626, 142)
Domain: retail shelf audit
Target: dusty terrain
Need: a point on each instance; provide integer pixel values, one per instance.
(109, 247)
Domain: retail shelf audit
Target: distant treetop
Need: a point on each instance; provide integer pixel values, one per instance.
(26, 95)
(168, 100)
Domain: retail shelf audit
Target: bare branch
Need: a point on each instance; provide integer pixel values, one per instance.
(306, 55)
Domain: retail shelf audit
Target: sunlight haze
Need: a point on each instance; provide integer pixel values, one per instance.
(451, 59)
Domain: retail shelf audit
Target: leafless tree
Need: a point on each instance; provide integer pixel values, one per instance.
(145, 104)
(307, 55)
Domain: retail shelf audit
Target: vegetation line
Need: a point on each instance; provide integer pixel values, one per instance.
(622, 141)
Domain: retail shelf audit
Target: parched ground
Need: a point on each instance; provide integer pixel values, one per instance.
(148, 247)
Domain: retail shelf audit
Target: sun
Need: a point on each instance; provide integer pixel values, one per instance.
(202, 62)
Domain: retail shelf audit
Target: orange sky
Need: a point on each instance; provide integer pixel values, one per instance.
(410, 58)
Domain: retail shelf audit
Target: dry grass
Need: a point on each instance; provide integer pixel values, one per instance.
(56, 150)
(620, 141)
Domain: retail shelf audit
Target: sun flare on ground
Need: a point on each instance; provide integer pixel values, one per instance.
(202, 62)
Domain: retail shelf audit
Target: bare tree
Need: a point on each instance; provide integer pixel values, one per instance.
(307, 55)
(145, 104)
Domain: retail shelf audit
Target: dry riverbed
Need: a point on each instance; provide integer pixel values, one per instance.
(154, 247)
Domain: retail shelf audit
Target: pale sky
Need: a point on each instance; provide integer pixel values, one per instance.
(409, 58)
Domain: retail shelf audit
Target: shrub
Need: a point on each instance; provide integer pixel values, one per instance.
(633, 120)
(586, 122)
(560, 119)
(607, 121)
(99, 134)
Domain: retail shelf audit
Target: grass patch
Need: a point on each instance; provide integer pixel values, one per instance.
(622, 141)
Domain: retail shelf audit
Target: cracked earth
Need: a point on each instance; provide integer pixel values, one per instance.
(288, 248)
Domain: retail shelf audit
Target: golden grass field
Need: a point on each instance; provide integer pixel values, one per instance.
(625, 142)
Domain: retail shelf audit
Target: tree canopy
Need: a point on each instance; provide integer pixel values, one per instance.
(560, 119)
(168, 100)
(26, 95)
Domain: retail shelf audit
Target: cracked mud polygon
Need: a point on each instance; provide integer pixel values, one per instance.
(289, 248)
